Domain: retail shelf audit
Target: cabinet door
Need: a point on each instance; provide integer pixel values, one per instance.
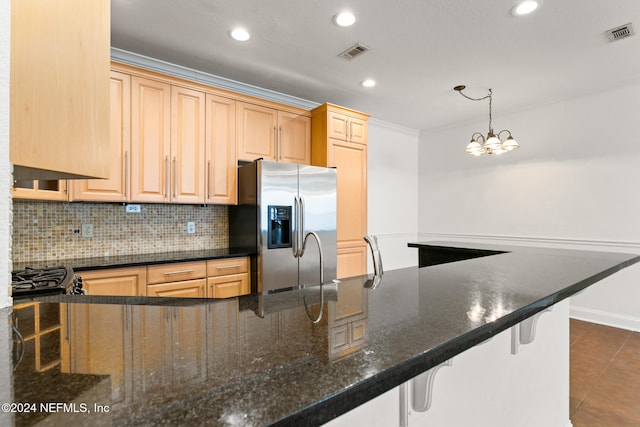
(256, 132)
(115, 281)
(186, 289)
(350, 161)
(358, 131)
(346, 128)
(231, 285)
(220, 137)
(59, 86)
(337, 126)
(294, 139)
(187, 145)
(150, 140)
(116, 188)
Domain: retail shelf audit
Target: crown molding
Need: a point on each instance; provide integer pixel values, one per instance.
(185, 73)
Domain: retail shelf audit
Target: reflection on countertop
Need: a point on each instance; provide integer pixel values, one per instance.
(260, 360)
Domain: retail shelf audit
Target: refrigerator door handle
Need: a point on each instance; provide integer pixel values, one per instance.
(301, 231)
(296, 224)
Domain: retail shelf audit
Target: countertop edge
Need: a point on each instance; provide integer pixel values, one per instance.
(360, 393)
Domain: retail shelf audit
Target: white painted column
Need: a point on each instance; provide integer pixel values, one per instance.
(5, 165)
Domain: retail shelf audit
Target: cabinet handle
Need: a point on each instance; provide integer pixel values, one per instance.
(169, 273)
(280, 144)
(126, 174)
(175, 178)
(275, 142)
(228, 267)
(166, 179)
(208, 180)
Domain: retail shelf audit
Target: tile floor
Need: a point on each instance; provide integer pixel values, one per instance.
(605, 376)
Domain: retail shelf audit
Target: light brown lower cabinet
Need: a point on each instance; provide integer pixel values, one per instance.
(185, 289)
(129, 281)
(228, 277)
(219, 278)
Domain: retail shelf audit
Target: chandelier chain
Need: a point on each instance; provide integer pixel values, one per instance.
(482, 99)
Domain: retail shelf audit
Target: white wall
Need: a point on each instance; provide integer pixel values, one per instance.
(393, 192)
(5, 166)
(573, 183)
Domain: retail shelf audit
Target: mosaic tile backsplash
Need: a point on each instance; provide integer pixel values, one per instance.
(52, 230)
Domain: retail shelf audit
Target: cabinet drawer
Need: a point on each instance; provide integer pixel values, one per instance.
(184, 289)
(231, 285)
(164, 273)
(222, 267)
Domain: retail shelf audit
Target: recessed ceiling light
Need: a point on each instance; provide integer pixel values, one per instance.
(240, 34)
(344, 19)
(368, 83)
(525, 7)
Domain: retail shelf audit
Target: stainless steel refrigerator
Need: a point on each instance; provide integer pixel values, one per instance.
(282, 209)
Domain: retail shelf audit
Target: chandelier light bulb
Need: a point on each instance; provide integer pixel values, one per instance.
(510, 144)
(493, 142)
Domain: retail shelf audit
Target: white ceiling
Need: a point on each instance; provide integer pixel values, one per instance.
(420, 49)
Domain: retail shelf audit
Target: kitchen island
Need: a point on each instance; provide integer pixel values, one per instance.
(260, 360)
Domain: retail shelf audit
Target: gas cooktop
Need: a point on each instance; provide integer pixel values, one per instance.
(39, 281)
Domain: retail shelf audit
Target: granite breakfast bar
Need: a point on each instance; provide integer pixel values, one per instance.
(259, 360)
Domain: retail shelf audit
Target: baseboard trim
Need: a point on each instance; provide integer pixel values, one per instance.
(605, 318)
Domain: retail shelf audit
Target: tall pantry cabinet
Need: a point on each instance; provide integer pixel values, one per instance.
(339, 139)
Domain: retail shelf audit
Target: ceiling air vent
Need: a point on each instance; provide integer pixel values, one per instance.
(355, 50)
(621, 32)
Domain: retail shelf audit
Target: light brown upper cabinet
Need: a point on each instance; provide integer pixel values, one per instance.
(150, 140)
(220, 137)
(59, 88)
(167, 142)
(339, 140)
(273, 134)
(117, 187)
(187, 156)
(345, 127)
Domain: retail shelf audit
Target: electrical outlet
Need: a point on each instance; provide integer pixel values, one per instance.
(87, 230)
(191, 227)
(132, 209)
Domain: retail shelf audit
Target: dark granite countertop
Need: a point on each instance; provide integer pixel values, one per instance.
(96, 263)
(258, 360)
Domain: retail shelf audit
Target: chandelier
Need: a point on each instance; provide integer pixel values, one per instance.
(492, 143)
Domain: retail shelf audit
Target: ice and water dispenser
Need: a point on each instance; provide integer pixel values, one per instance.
(280, 227)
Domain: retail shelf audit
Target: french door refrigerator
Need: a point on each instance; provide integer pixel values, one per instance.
(286, 215)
